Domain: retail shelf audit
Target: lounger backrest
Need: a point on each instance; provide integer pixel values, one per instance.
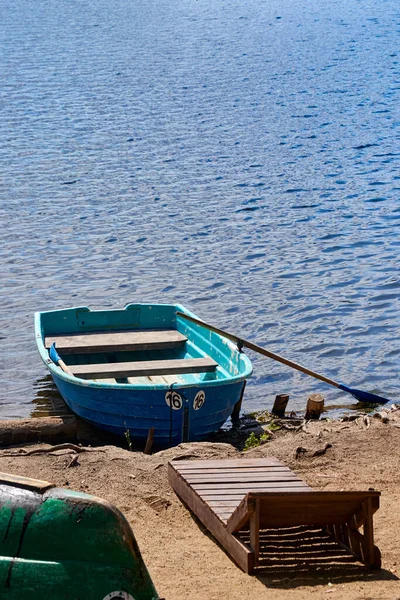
(302, 508)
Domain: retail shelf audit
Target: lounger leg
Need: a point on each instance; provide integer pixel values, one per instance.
(354, 538)
(255, 532)
(371, 554)
(363, 546)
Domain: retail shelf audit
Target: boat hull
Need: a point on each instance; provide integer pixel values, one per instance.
(196, 412)
(60, 544)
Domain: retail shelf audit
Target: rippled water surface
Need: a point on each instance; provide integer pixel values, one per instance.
(240, 157)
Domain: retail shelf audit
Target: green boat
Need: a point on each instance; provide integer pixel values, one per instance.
(57, 544)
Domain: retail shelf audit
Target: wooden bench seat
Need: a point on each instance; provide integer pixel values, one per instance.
(235, 499)
(112, 341)
(144, 368)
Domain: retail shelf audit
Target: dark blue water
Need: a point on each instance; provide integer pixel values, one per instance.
(240, 157)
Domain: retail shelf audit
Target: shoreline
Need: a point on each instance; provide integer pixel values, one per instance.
(356, 454)
(261, 423)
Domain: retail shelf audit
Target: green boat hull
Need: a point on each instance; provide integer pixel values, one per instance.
(57, 544)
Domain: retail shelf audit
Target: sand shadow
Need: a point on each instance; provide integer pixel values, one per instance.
(301, 556)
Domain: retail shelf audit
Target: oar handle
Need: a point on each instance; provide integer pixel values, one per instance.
(289, 363)
(64, 367)
(259, 349)
(55, 357)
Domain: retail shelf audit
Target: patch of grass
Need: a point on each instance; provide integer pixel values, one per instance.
(259, 415)
(274, 426)
(263, 417)
(253, 441)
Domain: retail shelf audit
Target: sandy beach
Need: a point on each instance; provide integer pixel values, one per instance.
(183, 558)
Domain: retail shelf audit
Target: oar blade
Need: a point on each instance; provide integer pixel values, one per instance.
(54, 354)
(364, 396)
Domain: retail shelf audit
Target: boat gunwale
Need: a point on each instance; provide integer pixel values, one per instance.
(89, 383)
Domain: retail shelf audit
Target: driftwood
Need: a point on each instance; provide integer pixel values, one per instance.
(73, 462)
(300, 451)
(46, 429)
(50, 430)
(73, 447)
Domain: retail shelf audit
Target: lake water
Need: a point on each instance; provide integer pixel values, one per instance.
(240, 157)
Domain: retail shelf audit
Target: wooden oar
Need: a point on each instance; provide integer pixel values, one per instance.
(358, 394)
(55, 357)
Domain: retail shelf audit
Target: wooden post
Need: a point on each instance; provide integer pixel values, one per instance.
(149, 442)
(315, 406)
(280, 404)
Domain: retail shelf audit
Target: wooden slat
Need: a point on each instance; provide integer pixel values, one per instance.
(157, 379)
(180, 465)
(245, 478)
(239, 486)
(170, 379)
(111, 341)
(223, 511)
(223, 503)
(139, 380)
(224, 517)
(139, 368)
(245, 470)
(228, 494)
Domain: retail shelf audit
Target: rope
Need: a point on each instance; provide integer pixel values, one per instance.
(170, 412)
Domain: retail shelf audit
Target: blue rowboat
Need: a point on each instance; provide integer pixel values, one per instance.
(143, 367)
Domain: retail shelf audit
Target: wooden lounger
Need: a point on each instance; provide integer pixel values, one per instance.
(230, 496)
(112, 341)
(143, 368)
